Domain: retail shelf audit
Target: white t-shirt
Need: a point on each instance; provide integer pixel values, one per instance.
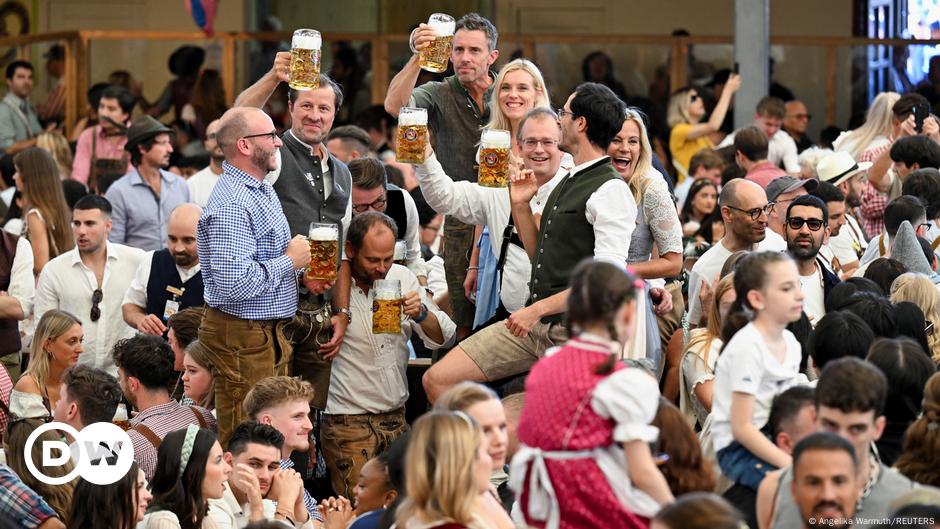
(747, 366)
(851, 239)
(814, 296)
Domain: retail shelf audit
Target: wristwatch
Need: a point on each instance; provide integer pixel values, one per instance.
(346, 312)
(423, 315)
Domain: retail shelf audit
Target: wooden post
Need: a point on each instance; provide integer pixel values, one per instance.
(228, 68)
(380, 78)
(72, 101)
(830, 84)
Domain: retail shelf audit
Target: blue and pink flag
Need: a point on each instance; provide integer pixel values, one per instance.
(203, 13)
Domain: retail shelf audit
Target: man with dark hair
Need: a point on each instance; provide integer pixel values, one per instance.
(145, 368)
(250, 281)
(100, 157)
(76, 281)
(19, 124)
(806, 229)
(86, 396)
(883, 186)
(379, 124)
(750, 146)
(372, 192)
(781, 149)
(913, 153)
(202, 183)
(368, 387)
(839, 333)
(925, 185)
(348, 143)
(904, 208)
(254, 454)
(795, 124)
(850, 399)
(825, 481)
(706, 163)
(457, 109)
(312, 185)
(144, 198)
(590, 213)
(834, 199)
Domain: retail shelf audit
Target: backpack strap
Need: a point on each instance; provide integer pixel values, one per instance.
(199, 417)
(148, 435)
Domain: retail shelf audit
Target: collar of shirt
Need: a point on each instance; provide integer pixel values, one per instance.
(456, 84)
(321, 152)
(243, 177)
(16, 100)
(137, 180)
(581, 167)
(541, 195)
(159, 409)
(110, 254)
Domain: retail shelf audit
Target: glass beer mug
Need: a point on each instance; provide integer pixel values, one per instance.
(412, 135)
(494, 158)
(386, 306)
(401, 252)
(434, 58)
(324, 251)
(305, 60)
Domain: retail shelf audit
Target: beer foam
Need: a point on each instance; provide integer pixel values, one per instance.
(494, 138)
(442, 28)
(386, 295)
(323, 234)
(408, 118)
(306, 42)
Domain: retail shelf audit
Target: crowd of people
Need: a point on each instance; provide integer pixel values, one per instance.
(727, 327)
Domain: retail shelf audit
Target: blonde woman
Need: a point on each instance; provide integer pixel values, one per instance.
(920, 290)
(687, 135)
(47, 222)
(875, 132)
(448, 469)
(56, 347)
(58, 146)
(697, 373)
(483, 406)
(519, 88)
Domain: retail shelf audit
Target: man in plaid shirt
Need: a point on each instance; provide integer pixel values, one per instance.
(21, 507)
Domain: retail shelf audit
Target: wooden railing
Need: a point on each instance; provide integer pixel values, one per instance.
(77, 47)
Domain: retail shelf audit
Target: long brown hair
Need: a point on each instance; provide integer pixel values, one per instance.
(59, 497)
(42, 189)
(920, 452)
(686, 470)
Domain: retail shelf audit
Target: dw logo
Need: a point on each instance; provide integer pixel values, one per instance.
(99, 434)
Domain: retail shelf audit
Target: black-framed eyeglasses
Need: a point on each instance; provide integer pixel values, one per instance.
(926, 226)
(561, 112)
(796, 223)
(96, 298)
(756, 212)
(530, 143)
(272, 135)
(377, 205)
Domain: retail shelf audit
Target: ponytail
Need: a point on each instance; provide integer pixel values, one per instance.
(750, 273)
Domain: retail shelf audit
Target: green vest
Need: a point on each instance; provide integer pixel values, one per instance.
(565, 235)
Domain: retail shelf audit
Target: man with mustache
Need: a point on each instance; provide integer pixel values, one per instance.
(825, 480)
(168, 280)
(202, 183)
(806, 228)
(848, 244)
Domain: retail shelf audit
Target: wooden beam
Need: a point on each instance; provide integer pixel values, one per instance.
(228, 69)
(831, 53)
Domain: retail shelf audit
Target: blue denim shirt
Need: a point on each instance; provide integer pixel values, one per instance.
(140, 216)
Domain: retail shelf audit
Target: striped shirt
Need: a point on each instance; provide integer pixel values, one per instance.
(242, 237)
(308, 499)
(162, 419)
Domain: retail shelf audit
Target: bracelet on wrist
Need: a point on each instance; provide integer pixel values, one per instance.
(472, 268)
(423, 315)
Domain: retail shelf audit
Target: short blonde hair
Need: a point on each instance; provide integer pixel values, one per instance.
(678, 110)
(920, 290)
(273, 391)
(439, 477)
(463, 396)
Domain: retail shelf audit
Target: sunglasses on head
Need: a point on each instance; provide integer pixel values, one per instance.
(796, 223)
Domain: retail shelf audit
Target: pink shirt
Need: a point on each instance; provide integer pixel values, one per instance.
(764, 173)
(105, 148)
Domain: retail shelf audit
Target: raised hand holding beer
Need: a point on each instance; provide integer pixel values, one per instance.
(422, 37)
(299, 251)
(281, 66)
(436, 54)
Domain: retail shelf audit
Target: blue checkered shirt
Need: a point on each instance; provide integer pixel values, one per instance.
(309, 502)
(242, 237)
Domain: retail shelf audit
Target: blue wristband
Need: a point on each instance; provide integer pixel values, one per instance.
(423, 315)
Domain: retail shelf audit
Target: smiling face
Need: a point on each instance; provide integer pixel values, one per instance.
(371, 491)
(624, 149)
(143, 495)
(516, 94)
(545, 157)
(312, 115)
(292, 419)
(217, 473)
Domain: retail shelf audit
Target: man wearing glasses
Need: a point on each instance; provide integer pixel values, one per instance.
(806, 229)
(249, 264)
(90, 280)
(472, 204)
(744, 211)
(143, 199)
(782, 191)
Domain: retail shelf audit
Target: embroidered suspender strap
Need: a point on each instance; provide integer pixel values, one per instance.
(199, 418)
(935, 243)
(148, 435)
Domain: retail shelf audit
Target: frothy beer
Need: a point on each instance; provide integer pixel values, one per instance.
(412, 135)
(494, 158)
(386, 307)
(434, 58)
(401, 252)
(305, 60)
(324, 249)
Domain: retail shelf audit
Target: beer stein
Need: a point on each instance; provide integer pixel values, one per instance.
(386, 306)
(324, 251)
(434, 58)
(494, 158)
(412, 135)
(305, 60)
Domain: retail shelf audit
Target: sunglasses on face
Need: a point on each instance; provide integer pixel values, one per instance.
(796, 223)
(96, 297)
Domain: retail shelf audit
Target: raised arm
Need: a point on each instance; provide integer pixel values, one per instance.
(465, 201)
(399, 90)
(258, 94)
(522, 188)
(720, 111)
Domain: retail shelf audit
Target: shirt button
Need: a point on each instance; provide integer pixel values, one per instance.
(541, 250)
(538, 266)
(536, 281)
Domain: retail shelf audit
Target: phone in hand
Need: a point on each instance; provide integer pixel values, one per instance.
(920, 111)
(737, 68)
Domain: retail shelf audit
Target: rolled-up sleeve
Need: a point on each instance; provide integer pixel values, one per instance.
(612, 211)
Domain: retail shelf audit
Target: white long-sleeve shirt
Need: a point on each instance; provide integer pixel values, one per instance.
(474, 204)
(67, 284)
(369, 375)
